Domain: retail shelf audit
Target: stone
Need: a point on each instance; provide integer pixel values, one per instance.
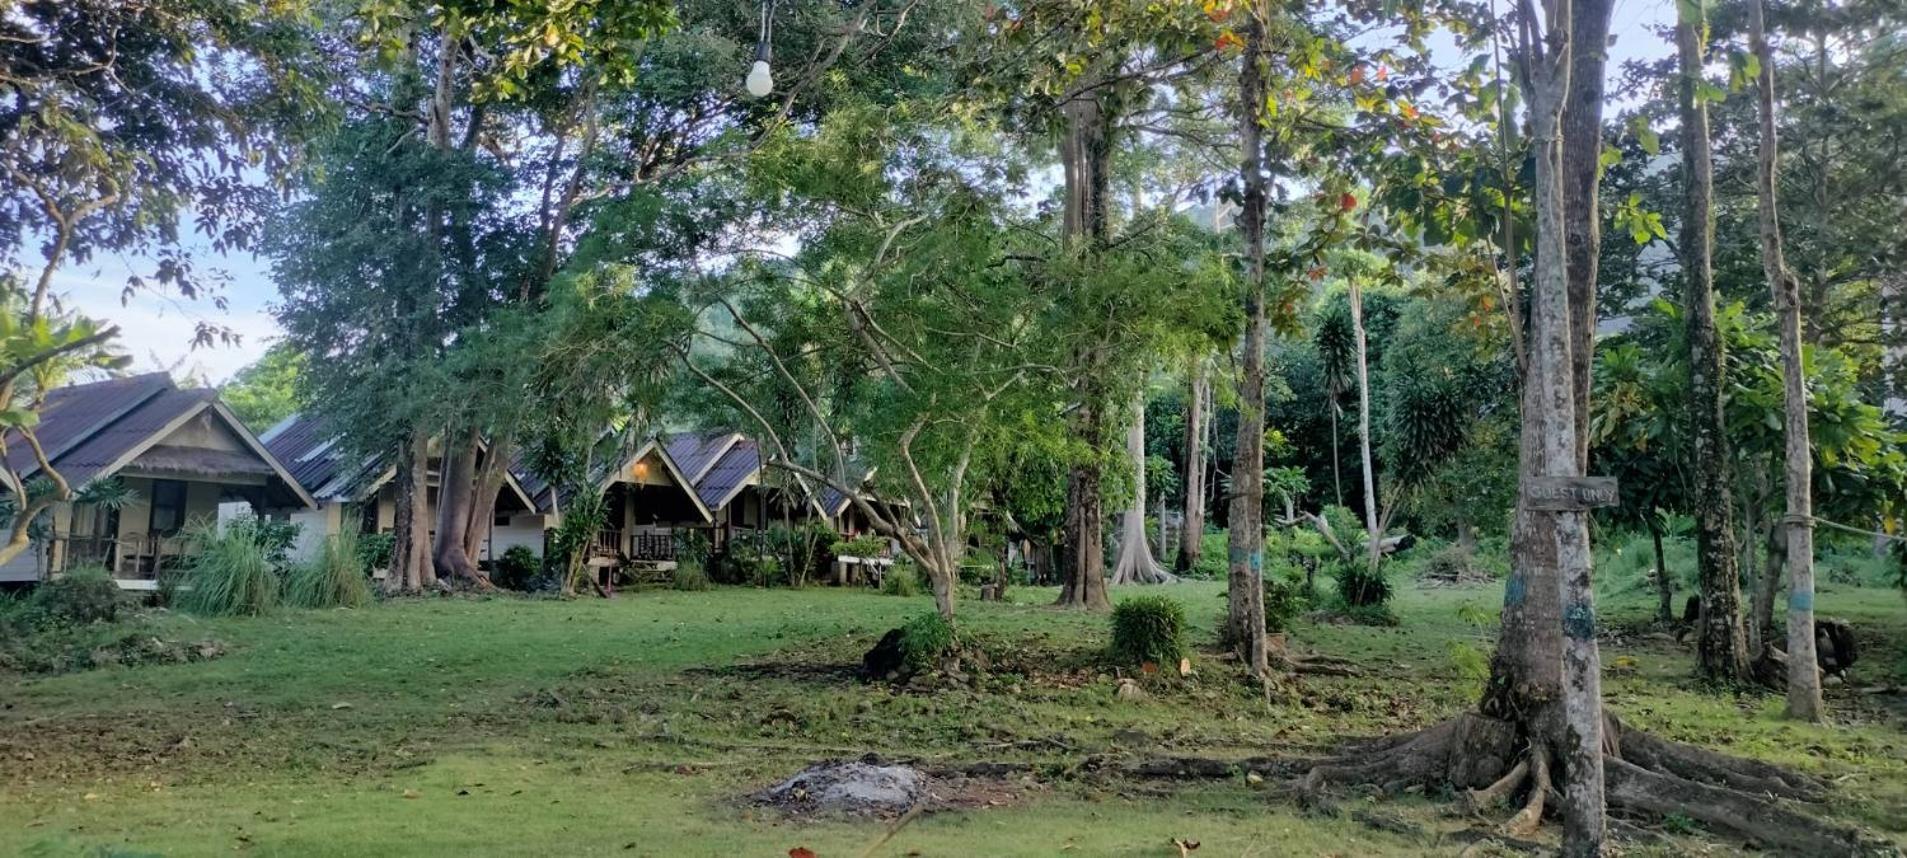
(1129, 690)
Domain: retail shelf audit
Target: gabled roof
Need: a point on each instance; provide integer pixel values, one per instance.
(695, 453)
(833, 501)
(92, 431)
(316, 457)
(724, 479)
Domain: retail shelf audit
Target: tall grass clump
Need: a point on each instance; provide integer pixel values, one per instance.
(333, 579)
(1148, 629)
(901, 579)
(230, 572)
(690, 576)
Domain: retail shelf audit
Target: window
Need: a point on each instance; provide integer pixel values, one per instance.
(168, 507)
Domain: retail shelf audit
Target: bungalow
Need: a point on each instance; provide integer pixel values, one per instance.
(361, 491)
(178, 452)
(700, 485)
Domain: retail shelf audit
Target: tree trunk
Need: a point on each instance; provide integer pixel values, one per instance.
(1722, 645)
(491, 473)
(1084, 156)
(456, 494)
(1337, 470)
(1135, 564)
(1547, 654)
(1804, 676)
(1244, 580)
(1767, 585)
(1664, 588)
(410, 553)
(1192, 527)
(1374, 539)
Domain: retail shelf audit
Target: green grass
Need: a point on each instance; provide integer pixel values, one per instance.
(631, 727)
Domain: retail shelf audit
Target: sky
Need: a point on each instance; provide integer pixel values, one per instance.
(157, 329)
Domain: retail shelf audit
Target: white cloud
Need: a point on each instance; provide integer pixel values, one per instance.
(156, 330)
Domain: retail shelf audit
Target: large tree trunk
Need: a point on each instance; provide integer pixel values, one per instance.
(1192, 526)
(410, 551)
(1374, 538)
(1804, 676)
(1550, 570)
(456, 494)
(1135, 564)
(1722, 645)
(1084, 556)
(491, 471)
(1244, 580)
(1085, 153)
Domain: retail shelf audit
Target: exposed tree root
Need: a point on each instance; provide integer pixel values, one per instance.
(1530, 817)
(1480, 800)
(1639, 790)
(1647, 775)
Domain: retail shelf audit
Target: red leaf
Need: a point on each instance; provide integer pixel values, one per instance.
(801, 852)
(1348, 201)
(1357, 75)
(1228, 40)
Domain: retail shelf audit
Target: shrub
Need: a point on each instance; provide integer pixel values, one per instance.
(1148, 629)
(758, 568)
(333, 579)
(231, 573)
(800, 548)
(1359, 586)
(275, 535)
(869, 545)
(1285, 599)
(689, 575)
(901, 579)
(79, 597)
(375, 549)
(927, 640)
(517, 568)
(1214, 548)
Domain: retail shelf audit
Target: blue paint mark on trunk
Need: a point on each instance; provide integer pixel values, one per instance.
(1801, 600)
(1579, 622)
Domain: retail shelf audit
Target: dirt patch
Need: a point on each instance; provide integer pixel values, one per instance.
(873, 787)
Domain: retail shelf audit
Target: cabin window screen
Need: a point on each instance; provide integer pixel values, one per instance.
(168, 507)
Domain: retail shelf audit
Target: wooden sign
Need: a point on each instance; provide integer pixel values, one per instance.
(1568, 494)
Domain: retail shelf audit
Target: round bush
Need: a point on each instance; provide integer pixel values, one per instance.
(517, 568)
(926, 640)
(1148, 629)
(1360, 587)
(86, 595)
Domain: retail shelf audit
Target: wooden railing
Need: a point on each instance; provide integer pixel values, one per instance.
(137, 556)
(652, 547)
(646, 547)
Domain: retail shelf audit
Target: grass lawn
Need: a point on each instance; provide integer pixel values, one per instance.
(633, 727)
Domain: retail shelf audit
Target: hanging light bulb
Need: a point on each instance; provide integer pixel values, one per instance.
(761, 79)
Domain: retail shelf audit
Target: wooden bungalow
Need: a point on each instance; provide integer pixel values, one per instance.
(179, 453)
(360, 492)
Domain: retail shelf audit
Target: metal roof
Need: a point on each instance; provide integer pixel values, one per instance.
(91, 431)
(723, 480)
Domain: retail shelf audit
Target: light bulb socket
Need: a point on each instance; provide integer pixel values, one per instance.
(761, 51)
